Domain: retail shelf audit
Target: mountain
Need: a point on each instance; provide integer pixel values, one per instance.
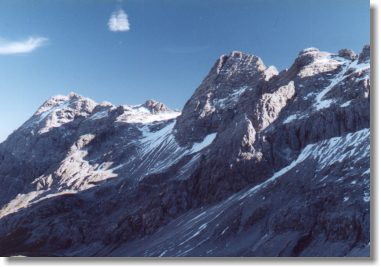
(258, 163)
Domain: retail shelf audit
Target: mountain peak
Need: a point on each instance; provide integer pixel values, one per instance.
(237, 54)
(73, 100)
(61, 109)
(347, 53)
(225, 168)
(312, 61)
(308, 55)
(309, 50)
(237, 60)
(73, 94)
(232, 76)
(155, 107)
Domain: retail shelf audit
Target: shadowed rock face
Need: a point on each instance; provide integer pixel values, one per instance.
(259, 163)
(365, 54)
(212, 106)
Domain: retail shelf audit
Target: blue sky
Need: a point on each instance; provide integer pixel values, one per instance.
(163, 50)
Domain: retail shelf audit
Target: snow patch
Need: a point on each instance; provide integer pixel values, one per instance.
(163, 253)
(323, 62)
(44, 112)
(158, 151)
(346, 104)
(99, 115)
(327, 152)
(290, 118)
(151, 140)
(302, 156)
(206, 142)
(366, 197)
(321, 103)
(140, 114)
(231, 99)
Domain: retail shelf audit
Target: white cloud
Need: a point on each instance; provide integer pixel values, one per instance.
(118, 21)
(20, 47)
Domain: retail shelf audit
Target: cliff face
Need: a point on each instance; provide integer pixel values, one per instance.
(258, 163)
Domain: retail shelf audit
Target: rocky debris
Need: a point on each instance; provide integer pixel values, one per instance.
(259, 163)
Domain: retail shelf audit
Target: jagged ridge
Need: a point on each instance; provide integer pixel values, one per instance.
(274, 164)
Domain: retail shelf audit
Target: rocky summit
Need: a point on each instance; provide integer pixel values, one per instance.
(258, 163)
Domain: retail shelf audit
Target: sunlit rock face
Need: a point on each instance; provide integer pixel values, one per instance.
(258, 163)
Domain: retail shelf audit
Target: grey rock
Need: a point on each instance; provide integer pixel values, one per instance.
(347, 53)
(259, 163)
(155, 107)
(214, 101)
(365, 54)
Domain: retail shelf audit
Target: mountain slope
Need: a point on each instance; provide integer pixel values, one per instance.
(258, 163)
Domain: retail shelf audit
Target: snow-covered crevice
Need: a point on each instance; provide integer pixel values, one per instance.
(290, 118)
(181, 173)
(346, 65)
(346, 104)
(355, 146)
(319, 102)
(152, 139)
(328, 152)
(306, 152)
(348, 69)
(231, 100)
(159, 150)
(204, 143)
(99, 115)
